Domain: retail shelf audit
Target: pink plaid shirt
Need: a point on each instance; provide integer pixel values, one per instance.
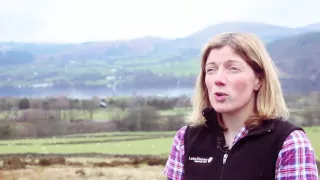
(296, 160)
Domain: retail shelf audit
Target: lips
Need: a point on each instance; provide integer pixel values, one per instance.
(220, 96)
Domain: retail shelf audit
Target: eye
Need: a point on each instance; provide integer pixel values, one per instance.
(233, 68)
(210, 70)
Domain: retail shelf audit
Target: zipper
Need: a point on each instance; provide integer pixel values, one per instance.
(227, 151)
(225, 157)
(224, 161)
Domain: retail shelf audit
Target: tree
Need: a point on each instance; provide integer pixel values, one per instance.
(24, 103)
(91, 105)
(140, 118)
(36, 103)
(5, 130)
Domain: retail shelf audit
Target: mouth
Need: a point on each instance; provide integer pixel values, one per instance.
(220, 94)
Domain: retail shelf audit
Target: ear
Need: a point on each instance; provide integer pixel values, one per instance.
(257, 84)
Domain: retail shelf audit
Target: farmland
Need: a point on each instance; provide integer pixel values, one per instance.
(98, 115)
(121, 143)
(65, 138)
(140, 144)
(82, 168)
(91, 156)
(98, 148)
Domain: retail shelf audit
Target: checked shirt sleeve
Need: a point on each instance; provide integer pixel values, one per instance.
(174, 166)
(296, 160)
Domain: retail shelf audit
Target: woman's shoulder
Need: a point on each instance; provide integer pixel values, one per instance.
(297, 138)
(297, 155)
(180, 133)
(284, 129)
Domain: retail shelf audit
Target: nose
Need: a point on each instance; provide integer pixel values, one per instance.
(219, 79)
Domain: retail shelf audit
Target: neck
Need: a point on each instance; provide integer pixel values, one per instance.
(234, 123)
(236, 120)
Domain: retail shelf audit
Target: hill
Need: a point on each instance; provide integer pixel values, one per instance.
(298, 57)
(150, 63)
(154, 47)
(14, 57)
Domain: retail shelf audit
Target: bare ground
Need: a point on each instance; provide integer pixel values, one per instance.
(91, 173)
(78, 168)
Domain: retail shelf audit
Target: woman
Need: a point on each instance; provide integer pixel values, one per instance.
(239, 129)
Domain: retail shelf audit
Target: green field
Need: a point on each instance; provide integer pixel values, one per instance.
(95, 71)
(313, 134)
(98, 115)
(64, 140)
(146, 147)
(115, 134)
(159, 144)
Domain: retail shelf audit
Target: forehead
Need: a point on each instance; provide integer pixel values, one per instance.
(224, 54)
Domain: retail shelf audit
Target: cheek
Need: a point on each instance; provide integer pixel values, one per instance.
(241, 85)
(207, 83)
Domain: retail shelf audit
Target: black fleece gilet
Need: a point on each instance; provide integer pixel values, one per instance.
(252, 158)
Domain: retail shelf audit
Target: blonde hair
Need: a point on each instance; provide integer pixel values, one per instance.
(270, 102)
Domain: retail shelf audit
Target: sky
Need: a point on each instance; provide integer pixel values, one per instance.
(101, 20)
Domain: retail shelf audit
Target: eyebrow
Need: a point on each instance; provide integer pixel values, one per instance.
(228, 61)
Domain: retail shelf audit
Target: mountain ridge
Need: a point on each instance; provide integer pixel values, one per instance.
(153, 62)
(260, 29)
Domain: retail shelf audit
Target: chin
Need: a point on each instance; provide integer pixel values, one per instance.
(223, 109)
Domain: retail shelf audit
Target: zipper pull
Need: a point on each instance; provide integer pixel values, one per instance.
(225, 158)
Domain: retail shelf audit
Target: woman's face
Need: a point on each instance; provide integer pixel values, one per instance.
(230, 81)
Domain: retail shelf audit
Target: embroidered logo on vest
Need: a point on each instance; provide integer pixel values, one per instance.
(201, 160)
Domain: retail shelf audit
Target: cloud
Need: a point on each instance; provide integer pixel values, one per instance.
(90, 20)
(25, 20)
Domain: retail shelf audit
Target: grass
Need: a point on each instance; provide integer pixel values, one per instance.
(176, 111)
(157, 146)
(64, 140)
(89, 137)
(108, 114)
(172, 68)
(148, 147)
(313, 134)
(98, 115)
(135, 133)
(94, 72)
